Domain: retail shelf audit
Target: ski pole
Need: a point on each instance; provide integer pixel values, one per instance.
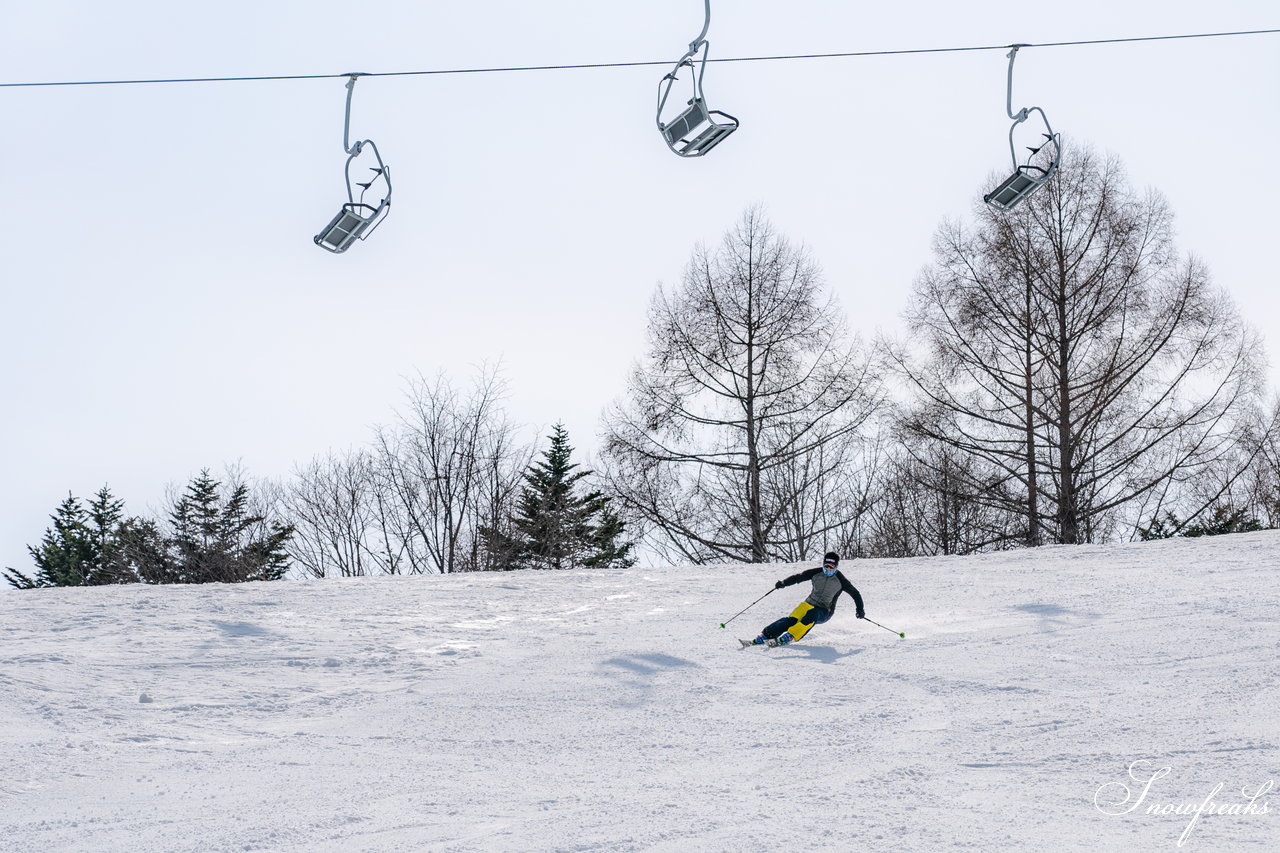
(874, 622)
(745, 609)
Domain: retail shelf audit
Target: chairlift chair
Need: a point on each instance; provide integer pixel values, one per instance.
(697, 129)
(357, 219)
(1026, 177)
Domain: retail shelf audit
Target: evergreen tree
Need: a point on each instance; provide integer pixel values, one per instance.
(66, 554)
(83, 547)
(105, 525)
(216, 540)
(211, 540)
(1222, 519)
(610, 551)
(144, 549)
(557, 528)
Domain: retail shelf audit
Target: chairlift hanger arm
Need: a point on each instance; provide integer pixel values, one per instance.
(698, 43)
(1021, 115)
(702, 36)
(346, 123)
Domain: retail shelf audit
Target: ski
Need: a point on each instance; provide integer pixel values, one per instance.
(748, 644)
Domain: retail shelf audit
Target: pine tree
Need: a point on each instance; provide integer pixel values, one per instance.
(105, 525)
(610, 550)
(221, 541)
(85, 546)
(556, 528)
(1222, 519)
(66, 554)
(211, 540)
(144, 549)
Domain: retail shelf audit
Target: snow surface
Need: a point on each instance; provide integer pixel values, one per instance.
(607, 711)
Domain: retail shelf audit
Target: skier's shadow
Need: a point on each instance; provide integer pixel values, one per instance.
(635, 675)
(1052, 617)
(823, 654)
(648, 664)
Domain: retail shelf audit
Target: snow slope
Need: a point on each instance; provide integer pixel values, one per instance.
(607, 711)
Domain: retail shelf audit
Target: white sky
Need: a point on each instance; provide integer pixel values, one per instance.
(164, 308)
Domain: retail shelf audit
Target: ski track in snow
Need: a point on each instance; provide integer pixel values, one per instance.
(606, 710)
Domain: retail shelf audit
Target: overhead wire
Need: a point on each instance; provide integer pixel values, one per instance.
(653, 63)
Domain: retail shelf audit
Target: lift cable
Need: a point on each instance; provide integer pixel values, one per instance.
(594, 65)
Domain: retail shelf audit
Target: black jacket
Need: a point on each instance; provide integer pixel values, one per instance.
(825, 590)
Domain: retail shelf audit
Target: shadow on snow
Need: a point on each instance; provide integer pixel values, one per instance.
(823, 654)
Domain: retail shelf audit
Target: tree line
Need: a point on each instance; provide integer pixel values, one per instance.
(446, 489)
(449, 487)
(211, 533)
(1070, 376)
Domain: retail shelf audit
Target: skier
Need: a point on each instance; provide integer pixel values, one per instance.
(828, 583)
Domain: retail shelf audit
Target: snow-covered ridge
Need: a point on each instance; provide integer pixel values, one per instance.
(607, 711)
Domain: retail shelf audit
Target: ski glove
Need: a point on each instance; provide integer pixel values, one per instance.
(779, 585)
(862, 614)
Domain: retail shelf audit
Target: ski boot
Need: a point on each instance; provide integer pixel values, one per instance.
(785, 638)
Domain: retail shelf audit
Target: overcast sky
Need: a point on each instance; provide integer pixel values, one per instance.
(164, 308)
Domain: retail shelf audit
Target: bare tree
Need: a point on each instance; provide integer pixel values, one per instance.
(823, 495)
(975, 310)
(447, 466)
(1237, 489)
(926, 504)
(1071, 349)
(338, 519)
(748, 403)
(421, 498)
(501, 462)
(1266, 488)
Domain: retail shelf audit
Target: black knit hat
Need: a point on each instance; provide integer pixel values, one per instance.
(832, 557)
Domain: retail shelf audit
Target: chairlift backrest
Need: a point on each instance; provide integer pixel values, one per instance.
(684, 124)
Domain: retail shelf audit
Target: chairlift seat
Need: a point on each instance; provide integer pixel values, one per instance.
(696, 131)
(1014, 189)
(350, 224)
